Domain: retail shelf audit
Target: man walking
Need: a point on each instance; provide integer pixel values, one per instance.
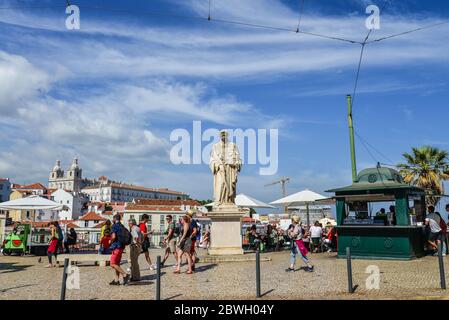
(146, 240)
(117, 247)
(170, 240)
(433, 222)
(193, 233)
(135, 249)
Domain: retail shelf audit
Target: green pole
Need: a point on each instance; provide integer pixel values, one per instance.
(351, 139)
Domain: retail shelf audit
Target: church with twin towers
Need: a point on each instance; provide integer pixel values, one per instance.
(70, 180)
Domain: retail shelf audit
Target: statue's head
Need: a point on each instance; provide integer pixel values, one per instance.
(223, 135)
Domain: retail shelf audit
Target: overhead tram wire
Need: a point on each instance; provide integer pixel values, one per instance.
(301, 8)
(359, 67)
(410, 31)
(199, 18)
(364, 141)
(209, 17)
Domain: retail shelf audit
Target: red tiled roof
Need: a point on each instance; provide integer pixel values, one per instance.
(72, 225)
(160, 202)
(4, 179)
(33, 186)
(39, 224)
(138, 188)
(154, 208)
(91, 216)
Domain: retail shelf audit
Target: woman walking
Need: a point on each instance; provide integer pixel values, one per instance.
(53, 245)
(185, 245)
(296, 234)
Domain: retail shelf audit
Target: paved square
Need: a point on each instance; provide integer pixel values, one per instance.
(25, 278)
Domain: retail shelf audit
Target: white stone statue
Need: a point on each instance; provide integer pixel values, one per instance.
(225, 164)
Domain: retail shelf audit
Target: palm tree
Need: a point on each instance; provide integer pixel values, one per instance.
(427, 167)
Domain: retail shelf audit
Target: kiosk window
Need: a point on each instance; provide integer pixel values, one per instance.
(370, 213)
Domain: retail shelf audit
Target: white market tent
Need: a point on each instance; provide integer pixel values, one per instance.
(244, 201)
(31, 203)
(305, 197)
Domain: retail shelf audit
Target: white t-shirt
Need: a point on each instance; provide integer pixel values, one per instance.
(434, 222)
(316, 232)
(136, 234)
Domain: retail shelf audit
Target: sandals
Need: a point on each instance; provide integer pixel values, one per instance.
(114, 283)
(189, 272)
(177, 271)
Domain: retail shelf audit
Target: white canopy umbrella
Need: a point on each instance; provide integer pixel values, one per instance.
(31, 203)
(244, 201)
(305, 197)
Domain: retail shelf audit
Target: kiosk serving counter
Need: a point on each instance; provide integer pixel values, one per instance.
(380, 217)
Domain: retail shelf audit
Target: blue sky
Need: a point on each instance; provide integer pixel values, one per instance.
(112, 91)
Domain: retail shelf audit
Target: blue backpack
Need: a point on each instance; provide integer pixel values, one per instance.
(124, 236)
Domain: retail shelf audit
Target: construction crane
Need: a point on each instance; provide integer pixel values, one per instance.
(282, 182)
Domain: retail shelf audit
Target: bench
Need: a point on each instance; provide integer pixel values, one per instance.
(101, 260)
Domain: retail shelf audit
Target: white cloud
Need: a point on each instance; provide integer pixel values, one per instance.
(19, 81)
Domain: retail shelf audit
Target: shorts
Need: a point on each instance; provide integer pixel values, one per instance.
(172, 245)
(116, 256)
(186, 245)
(145, 245)
(316, 241)
(434, 236)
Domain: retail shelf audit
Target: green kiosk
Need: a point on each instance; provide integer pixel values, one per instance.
(397, 232)
(379, 216)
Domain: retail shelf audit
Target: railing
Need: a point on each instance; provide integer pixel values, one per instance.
(156, 239)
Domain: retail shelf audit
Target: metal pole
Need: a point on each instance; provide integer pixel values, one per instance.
(441, 262)
(158, 279)
(258, 295)
(308, 216)
(349, 266)
(351, 139)
(64, 278)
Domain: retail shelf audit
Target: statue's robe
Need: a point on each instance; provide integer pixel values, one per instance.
(225, 164)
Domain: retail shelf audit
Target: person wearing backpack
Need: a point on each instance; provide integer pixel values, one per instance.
(171, 235)
(120, 237)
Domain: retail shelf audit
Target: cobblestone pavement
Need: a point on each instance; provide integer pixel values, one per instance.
(25, 278)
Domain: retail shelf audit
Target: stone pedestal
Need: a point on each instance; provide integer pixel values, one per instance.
(226, 230)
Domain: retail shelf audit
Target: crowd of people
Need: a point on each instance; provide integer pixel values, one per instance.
(274, 238)
(183, 237)
(180, 241)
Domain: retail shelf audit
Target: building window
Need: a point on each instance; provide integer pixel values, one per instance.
(162, 223)
(86, 224)
(96, 221)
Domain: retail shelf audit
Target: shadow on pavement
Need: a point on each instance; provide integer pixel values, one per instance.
(205, 268)
(173, 297)
(12, 267)
(18, 287)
